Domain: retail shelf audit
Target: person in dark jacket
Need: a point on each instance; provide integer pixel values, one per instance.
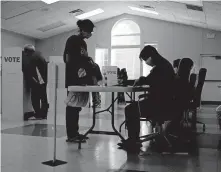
(79, 71)
(160, 95)
(34, 68)
(182, 82)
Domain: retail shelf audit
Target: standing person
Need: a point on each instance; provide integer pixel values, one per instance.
(34, 68)
(78, 72)
(160, 95)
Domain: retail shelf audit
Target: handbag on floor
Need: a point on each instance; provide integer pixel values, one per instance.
(77, 99)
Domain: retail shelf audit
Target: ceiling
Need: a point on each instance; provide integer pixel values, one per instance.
(33, 18)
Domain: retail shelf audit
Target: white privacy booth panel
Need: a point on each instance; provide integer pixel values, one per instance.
(61, 90)
(12, 84)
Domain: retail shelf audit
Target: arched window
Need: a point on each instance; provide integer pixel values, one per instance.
(125, 47)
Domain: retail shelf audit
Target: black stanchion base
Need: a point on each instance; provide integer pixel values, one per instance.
(54, 163)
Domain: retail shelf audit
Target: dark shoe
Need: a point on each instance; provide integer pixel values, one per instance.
(38, 116)
(28, 115)
(129, 144)
(76, 140)
(130, 147)
(44, 111)
(81, 136)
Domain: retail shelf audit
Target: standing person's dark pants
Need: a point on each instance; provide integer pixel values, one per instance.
(39, 99)
(72, 119)
(132, 115)
(121, 98)
(72, 123)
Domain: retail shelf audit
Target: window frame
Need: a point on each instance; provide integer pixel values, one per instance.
(125, 46)
(106, 59)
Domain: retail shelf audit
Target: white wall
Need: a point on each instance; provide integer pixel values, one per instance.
(174, 40)
(11, 39)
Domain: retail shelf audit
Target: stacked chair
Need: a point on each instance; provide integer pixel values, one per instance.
(196, 102)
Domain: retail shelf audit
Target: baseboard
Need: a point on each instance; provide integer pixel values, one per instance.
(211, 102)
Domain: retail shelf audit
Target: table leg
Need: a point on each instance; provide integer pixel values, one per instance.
(94, 119)
(112, 118)
(133, 96)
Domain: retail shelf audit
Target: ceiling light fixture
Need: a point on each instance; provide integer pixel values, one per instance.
(90, 14)
(143, 10)
(50, 1)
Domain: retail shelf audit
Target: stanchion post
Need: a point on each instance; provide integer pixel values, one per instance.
(55, 111)
(55, 162)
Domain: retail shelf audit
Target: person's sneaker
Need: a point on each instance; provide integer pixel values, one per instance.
(44, 111)
(28, 115)
(37, 116)
(129, 144)
(82, 136)
(130, 147)
(76, 140)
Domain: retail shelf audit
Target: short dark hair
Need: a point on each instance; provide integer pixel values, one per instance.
(147, 51)
(85, 25)
(184, 68)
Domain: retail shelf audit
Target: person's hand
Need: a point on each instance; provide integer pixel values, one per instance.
(120, 81)
(100, 82)
(136, 82)
(34, 81)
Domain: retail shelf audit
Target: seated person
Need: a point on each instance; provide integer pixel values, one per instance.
(159, 98)
(182, 82)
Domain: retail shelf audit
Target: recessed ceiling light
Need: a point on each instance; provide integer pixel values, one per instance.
(90, 13)
(143, 10)
(50, 1)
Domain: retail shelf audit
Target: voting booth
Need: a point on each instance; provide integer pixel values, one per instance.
(109, 79)
(16, 98)
(110, 75)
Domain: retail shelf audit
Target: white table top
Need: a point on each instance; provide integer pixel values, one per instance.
(107, 89)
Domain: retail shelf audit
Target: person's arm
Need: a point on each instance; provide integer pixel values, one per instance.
(42, 66)
(98, 73)
(72, 49)
(148, 79)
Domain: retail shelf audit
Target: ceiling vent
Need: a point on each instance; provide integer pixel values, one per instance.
(51, 26)
(76, 12)
(194, 7)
